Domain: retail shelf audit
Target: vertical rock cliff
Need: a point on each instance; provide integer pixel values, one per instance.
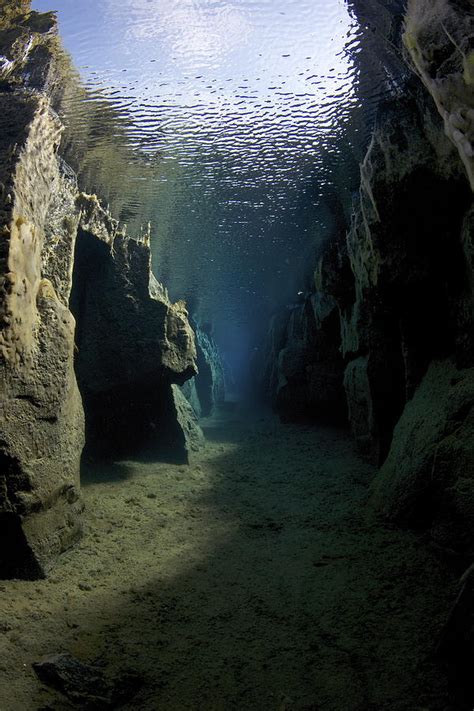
(41, 416)
(131, 344)
(208, 388)
(398, 283)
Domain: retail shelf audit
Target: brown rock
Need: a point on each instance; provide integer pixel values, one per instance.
(41, 418)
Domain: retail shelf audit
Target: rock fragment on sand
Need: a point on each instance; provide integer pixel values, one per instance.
(86, 685)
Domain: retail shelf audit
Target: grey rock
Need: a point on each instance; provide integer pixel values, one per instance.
(86, 685)
(304, 367)
(132, 342)
(192, 438)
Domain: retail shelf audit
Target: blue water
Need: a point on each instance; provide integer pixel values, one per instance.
(242, 118)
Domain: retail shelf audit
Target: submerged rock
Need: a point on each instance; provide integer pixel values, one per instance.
(401, 282)
(304, 368)
(132, 342)
(439, 40)
(210, 381)
(86, 684)
(406, 255)
(41, 417)
(190, 437)
(207, 389)
(427, 480)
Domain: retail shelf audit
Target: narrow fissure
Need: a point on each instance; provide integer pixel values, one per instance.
(236, 355)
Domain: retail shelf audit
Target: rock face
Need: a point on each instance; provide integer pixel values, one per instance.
(207, 389)
(427, 480)
(41, 417)
(392, 294)
(406, 256)
(304, 368)
(189, 437)
(210, 382)
(132, 342)
(400, 283)
(439, 41)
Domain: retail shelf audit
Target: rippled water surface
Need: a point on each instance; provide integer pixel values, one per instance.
(237, 122)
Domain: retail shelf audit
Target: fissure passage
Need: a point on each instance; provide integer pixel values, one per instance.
(257, 582)
(236, 355)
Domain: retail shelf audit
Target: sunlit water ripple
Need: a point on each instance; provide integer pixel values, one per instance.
(246, 112)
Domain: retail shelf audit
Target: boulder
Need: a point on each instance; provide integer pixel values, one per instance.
(87, 685)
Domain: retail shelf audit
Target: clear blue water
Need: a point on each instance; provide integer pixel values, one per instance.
(247, 111)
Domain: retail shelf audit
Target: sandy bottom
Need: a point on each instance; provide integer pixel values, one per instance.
(251, 579)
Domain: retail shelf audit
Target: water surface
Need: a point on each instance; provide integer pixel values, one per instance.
(242, 122)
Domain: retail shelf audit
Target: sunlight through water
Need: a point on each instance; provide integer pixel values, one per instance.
(238, 118)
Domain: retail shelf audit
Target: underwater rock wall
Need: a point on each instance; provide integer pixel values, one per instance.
(41, 417)
(304, 368)
(439, 40)
(401, 278)
(131, 342)
(405, 253)
(208, 388)
(427, 480)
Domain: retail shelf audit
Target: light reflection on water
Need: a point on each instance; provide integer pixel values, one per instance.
(244, 110)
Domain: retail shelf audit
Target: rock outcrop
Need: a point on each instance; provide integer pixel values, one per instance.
(304, 368)
(131, 343)
(427, 481)
(439, 39)
(210, 382)
(406, 257)
(41, 416)
(400, 281)
(189, 437)
(207, 389)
